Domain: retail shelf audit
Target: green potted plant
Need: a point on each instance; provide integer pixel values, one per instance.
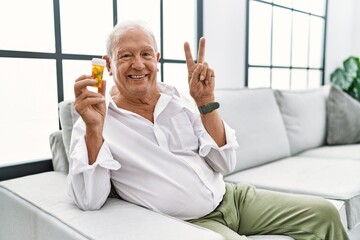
(348, 78)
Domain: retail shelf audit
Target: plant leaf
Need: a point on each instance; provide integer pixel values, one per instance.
(348, 78)
(351, 66)
(340, 78)
(357, 88)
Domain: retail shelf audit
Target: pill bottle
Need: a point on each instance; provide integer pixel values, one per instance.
(97, 71)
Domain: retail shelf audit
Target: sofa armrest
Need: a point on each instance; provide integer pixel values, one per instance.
(39, 204)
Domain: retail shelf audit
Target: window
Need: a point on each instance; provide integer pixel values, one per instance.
(286, 43)
(44, 50)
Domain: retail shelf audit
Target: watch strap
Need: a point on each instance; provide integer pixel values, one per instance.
(204, 109)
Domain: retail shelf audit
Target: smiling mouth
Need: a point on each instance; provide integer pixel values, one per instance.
(137, 76)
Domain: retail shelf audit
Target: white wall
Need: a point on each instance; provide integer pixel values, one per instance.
(225, 24)
(356, 28)
(342, 38)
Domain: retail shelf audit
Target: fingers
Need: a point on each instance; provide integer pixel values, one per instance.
(81, 105)
(195, 76)
(201, 57)
(210, 76)
(84, 97)
(82, 77)
(204, 71)
(81, 83)
(188, 56)
(84, 81)
(201, 52)
(88, 94)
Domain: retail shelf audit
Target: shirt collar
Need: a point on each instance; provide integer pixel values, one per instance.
(168, 90)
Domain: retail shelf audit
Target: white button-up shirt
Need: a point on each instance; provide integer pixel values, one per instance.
(172, 166)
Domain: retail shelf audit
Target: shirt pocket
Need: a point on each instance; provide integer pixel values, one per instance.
(184, 136)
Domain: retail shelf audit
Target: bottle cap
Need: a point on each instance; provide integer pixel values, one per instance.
(98, 61)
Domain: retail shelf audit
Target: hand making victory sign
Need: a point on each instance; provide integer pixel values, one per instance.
(201, 78)
(202, 84)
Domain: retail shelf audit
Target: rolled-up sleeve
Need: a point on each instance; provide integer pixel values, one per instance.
(89, 185)
(221, 159)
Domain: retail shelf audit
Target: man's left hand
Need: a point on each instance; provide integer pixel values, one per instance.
(201, 78)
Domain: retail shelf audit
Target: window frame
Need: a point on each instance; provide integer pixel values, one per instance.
(291, 67)
(59, 56)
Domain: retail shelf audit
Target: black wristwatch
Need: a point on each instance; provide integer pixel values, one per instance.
(204, 109)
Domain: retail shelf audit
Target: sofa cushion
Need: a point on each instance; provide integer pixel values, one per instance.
(336, 179)
(46, 200)
(59, 158)
(304, 114)
(343, 118)
(68, 117)
(341, 151)
(256, 118)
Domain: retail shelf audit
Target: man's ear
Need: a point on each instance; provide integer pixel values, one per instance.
(158, 56)
(108, 64)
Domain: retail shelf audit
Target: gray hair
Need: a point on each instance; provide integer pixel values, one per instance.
(113, 38)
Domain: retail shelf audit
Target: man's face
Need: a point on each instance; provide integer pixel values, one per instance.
(134, 63)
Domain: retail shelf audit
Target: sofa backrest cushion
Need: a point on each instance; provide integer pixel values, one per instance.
(256, 118)
(304, 115)
(59, 158)
(343, 118)
(68, 117)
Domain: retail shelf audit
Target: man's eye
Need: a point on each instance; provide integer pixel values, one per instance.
(147, 55)
(125, 56)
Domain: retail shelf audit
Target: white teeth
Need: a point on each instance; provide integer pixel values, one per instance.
(137, 76)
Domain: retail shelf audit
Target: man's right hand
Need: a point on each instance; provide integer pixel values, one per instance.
(90, 105)
(92, 108)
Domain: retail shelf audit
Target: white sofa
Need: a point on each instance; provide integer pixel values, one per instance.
(283, 138)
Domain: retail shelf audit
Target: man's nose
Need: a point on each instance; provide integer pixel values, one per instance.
(138, 63)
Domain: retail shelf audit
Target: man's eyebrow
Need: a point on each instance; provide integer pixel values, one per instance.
(123, 50)
(149, 47)
(129, 49)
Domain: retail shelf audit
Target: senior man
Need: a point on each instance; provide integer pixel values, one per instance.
(160, 152)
